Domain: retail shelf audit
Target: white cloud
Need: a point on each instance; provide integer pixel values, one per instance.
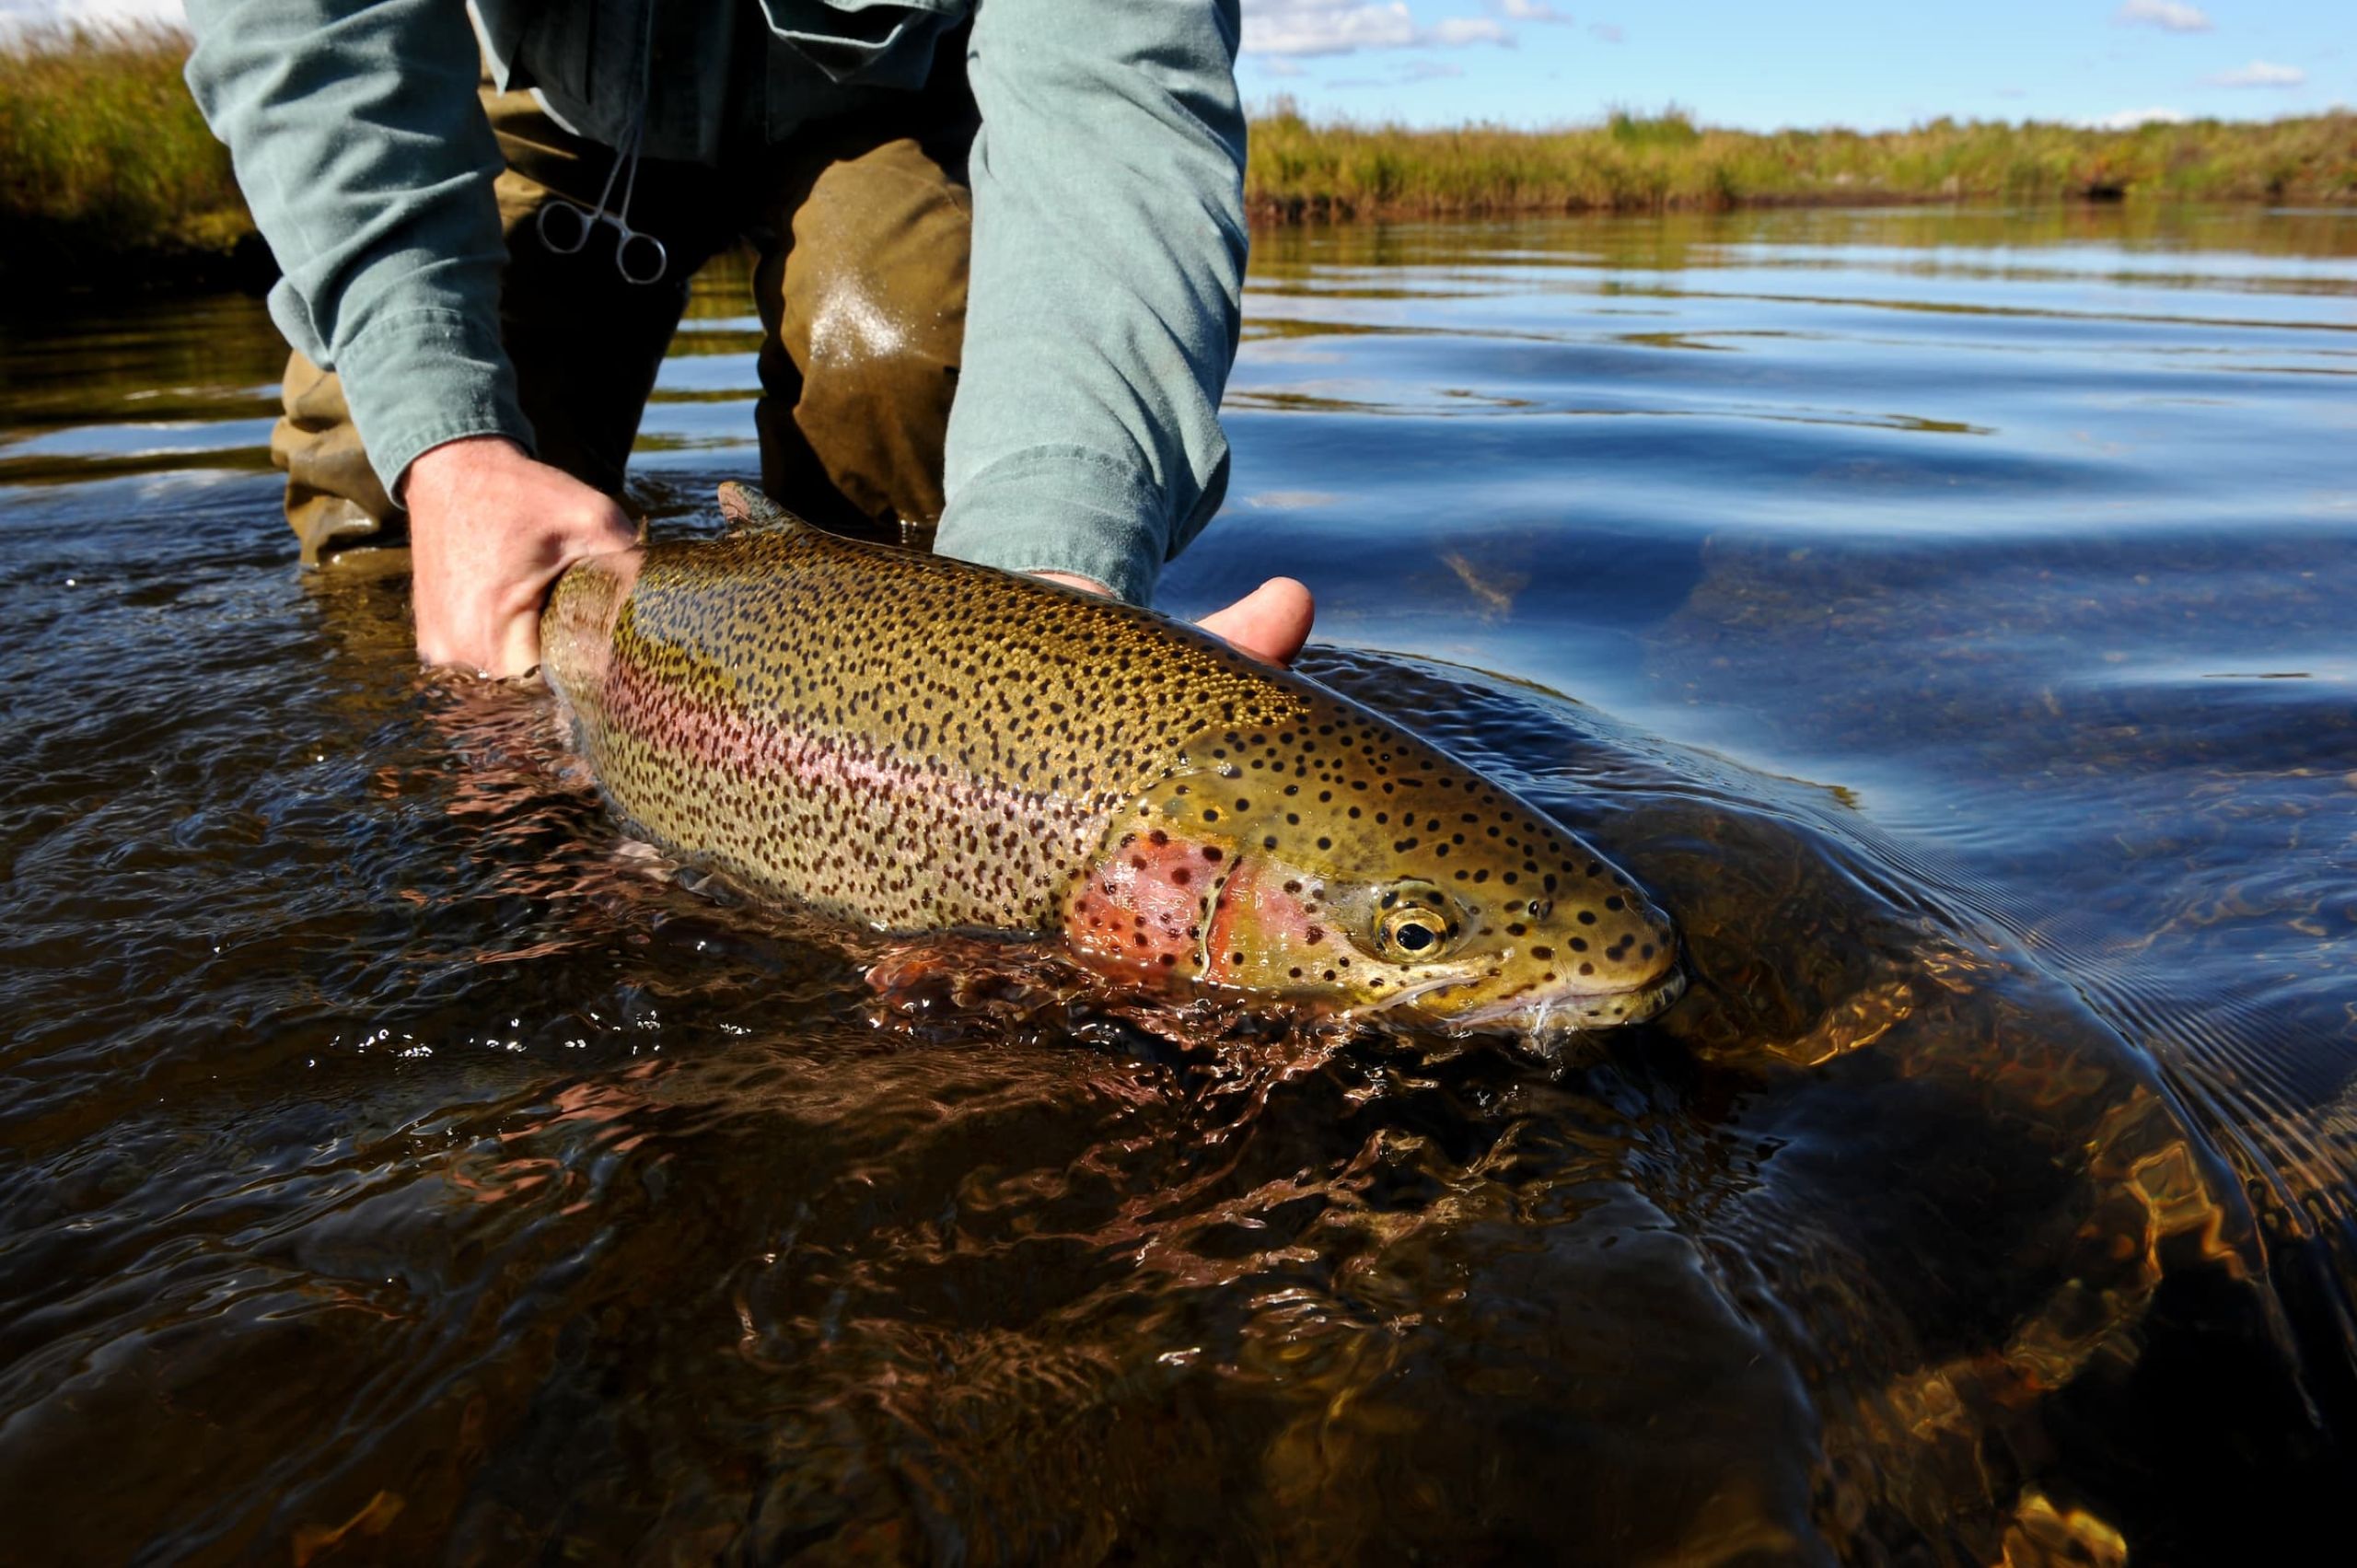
(1528, 11)
(2129, 119)
(1458, 30)
(1326, 27)
(1606, 33)
(1414, 71)
(2169, 15)
(1345, 27)
(18, 15)
(2260, 73)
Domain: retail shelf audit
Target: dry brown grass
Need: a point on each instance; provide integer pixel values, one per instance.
(1632, 162)
(103, 156)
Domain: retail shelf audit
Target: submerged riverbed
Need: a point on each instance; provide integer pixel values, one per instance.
(1945, 613)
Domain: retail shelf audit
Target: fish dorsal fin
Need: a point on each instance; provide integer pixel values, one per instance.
(749, 511)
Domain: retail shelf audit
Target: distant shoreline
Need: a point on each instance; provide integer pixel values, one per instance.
(1652, 163)
(109, 179)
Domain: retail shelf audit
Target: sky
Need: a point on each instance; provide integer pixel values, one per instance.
(1869, 63)
(1873, 64)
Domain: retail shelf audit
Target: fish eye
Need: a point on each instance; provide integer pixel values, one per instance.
(1415, 931)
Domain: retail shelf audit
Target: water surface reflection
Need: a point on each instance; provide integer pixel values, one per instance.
(400, 1164)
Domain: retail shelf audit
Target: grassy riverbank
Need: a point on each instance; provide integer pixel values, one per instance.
(1649, 163)
(105, 165)
(108, 174)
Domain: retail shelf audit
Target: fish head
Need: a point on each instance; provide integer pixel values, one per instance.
(1359, 868)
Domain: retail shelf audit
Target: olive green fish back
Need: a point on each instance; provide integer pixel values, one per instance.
(884, 735)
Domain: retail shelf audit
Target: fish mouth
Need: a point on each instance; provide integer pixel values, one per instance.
(1549, 1017)
(1553, 1016)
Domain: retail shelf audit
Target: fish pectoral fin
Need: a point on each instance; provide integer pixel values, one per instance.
(749, 511)
(1207, 948)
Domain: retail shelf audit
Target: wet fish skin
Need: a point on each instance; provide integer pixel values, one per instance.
(915, 743)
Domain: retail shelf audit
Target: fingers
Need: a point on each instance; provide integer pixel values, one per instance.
(1270, 623)
(490, 530)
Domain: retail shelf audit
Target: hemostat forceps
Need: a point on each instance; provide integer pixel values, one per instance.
(640, 258)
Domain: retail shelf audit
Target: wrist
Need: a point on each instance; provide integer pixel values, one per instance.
(442, 468)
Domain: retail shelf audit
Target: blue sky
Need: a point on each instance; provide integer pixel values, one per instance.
(1869, 63)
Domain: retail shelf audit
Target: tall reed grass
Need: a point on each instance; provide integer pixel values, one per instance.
(1304, 169)
(103, 154)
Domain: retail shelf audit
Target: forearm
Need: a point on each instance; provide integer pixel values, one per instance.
(1108, 271)
(364, 153)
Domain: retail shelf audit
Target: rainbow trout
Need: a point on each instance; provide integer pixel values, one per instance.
(914, 743)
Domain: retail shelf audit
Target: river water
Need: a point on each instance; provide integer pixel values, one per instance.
(1948, 614)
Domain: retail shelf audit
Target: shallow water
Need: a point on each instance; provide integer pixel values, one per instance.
(1947, 614)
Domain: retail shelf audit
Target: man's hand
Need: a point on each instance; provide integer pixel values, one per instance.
(490, 530)
(1270, 623)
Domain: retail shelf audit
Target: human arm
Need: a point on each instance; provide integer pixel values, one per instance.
(365, 157)
(1107, 276)
(367, 162)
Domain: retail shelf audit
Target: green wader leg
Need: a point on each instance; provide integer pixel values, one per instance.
(864, 310)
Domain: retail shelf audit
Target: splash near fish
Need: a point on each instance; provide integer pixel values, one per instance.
(917, 744)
